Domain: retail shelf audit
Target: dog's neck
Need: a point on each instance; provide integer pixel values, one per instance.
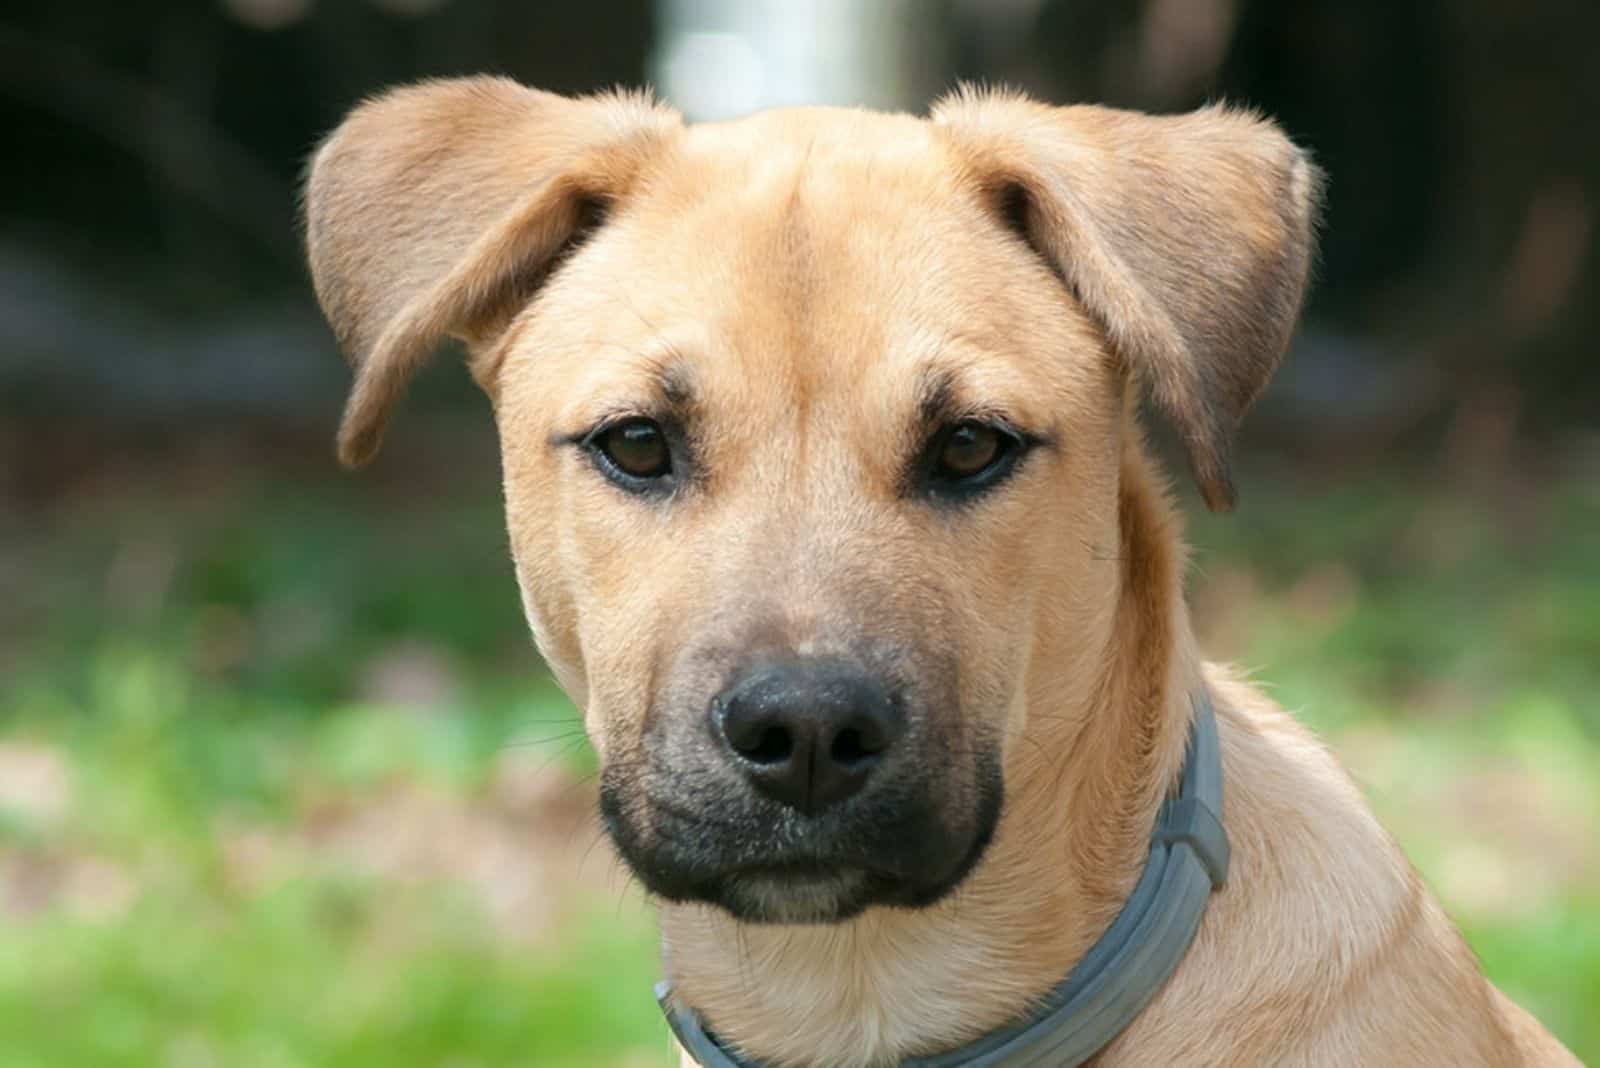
(892, 983)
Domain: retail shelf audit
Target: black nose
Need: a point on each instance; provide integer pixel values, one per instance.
(806, 733)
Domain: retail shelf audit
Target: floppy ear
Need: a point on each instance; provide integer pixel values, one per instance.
(438, 208)
(1187, 237)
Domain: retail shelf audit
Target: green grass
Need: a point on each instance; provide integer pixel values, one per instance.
(283, 783)
(226, 889)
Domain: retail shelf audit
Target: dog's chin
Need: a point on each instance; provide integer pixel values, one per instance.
(816, 894)
(793, 895)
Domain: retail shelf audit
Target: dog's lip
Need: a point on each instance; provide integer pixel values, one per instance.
(808, 841)
(805, 876)
(806, 851)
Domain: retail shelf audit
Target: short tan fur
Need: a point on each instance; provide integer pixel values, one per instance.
(804, 290)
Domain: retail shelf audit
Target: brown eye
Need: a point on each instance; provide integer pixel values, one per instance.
(635, 449)
(969, 449)
(969, 458)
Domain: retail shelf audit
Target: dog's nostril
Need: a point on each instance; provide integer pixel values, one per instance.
(772, 746)
(850, 746)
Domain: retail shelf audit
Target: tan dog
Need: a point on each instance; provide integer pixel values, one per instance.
(830, 510)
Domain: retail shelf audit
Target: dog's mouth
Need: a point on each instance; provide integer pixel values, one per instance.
(806, 893)
(777, 869)
(817, 894)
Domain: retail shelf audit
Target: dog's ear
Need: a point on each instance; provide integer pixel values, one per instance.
(435, 210)
(1187, 237)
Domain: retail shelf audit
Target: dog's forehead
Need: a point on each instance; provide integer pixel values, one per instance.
(823, 233)
(812, 259)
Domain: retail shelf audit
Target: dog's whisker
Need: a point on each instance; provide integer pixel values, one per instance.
(543, 740)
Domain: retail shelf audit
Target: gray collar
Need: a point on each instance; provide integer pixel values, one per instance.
(1122, 972)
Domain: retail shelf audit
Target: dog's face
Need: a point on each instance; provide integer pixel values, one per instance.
(780, 442)
(811, 426)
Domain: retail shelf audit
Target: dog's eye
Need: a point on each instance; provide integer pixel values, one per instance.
(970, 456)
(968, 449)
(636, 449)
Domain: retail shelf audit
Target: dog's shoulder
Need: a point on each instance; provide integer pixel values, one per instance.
(1325, 946)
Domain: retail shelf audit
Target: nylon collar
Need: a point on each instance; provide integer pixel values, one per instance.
(1122, 972)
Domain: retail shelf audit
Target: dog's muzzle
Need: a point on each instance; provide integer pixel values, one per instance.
(805, 790)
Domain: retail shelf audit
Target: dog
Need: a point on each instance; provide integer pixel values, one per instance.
(831, 510)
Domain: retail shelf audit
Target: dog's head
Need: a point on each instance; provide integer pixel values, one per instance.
(812, 424)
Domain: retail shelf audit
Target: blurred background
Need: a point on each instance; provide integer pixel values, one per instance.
(282, 780)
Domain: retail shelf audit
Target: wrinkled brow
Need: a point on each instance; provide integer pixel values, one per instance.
(936, 395)
(664, 388)
(673, 378)
(944, 397)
